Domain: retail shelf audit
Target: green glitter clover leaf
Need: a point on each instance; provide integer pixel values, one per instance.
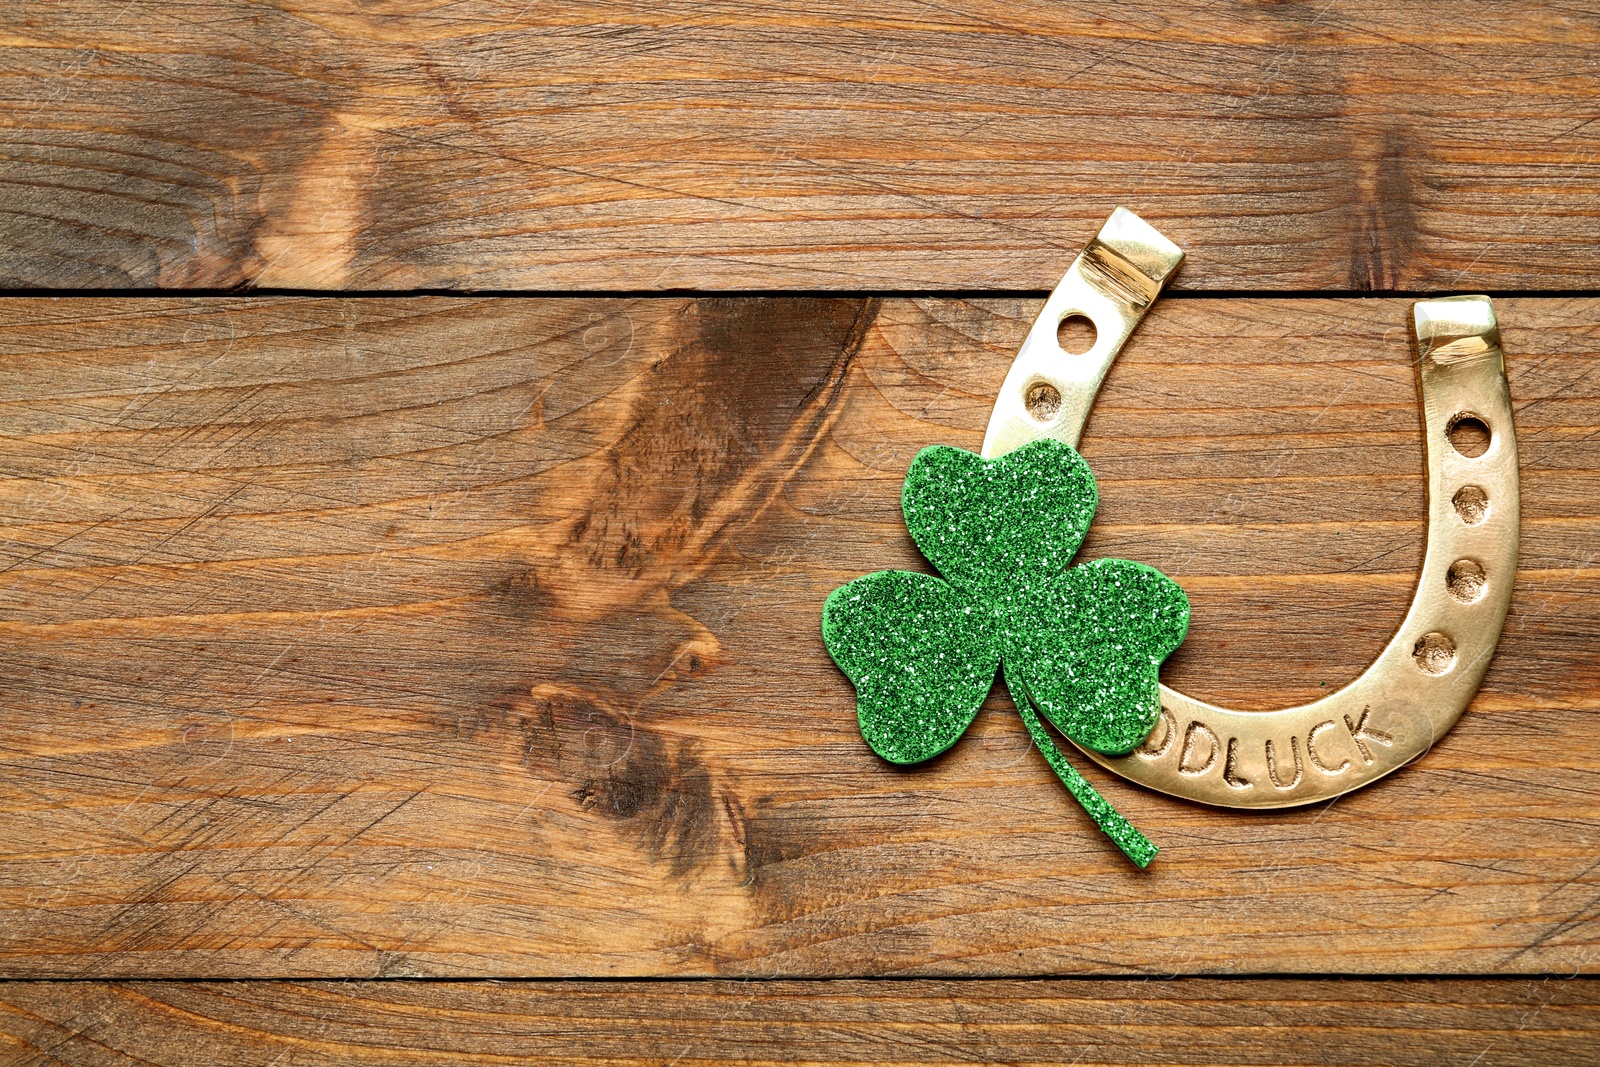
(1080, 644)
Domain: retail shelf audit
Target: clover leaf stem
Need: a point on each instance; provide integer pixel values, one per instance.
(1123, 833)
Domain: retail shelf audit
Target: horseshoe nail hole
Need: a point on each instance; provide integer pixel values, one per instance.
(1466, 580)
(1472, 504)
(1469, 435)
(1043, 401)
(1434, 653)
(1076, 335)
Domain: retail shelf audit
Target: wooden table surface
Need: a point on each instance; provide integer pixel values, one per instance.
(428, 430)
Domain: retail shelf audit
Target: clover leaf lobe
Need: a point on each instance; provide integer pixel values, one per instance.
(1000, 526)
(1091, 646)
(922, 655)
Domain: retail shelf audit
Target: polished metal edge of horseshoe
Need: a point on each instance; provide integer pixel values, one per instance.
(1422, 681)
(1112, 283)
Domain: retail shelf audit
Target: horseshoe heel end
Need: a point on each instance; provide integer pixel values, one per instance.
(1457, 329)
(1048, 391)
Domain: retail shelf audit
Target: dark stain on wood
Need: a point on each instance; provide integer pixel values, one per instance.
(1385, 235)
(620, 769)
(719, 421)
(729, 410)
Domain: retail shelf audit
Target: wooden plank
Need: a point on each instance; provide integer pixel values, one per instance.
(1541, 1023)
(447, 636)
(634, 146)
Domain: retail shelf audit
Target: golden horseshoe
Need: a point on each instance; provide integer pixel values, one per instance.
(1423, 679)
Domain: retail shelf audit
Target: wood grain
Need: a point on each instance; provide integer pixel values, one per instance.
(464, 637)
(634, 146)
(1540, 1023)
